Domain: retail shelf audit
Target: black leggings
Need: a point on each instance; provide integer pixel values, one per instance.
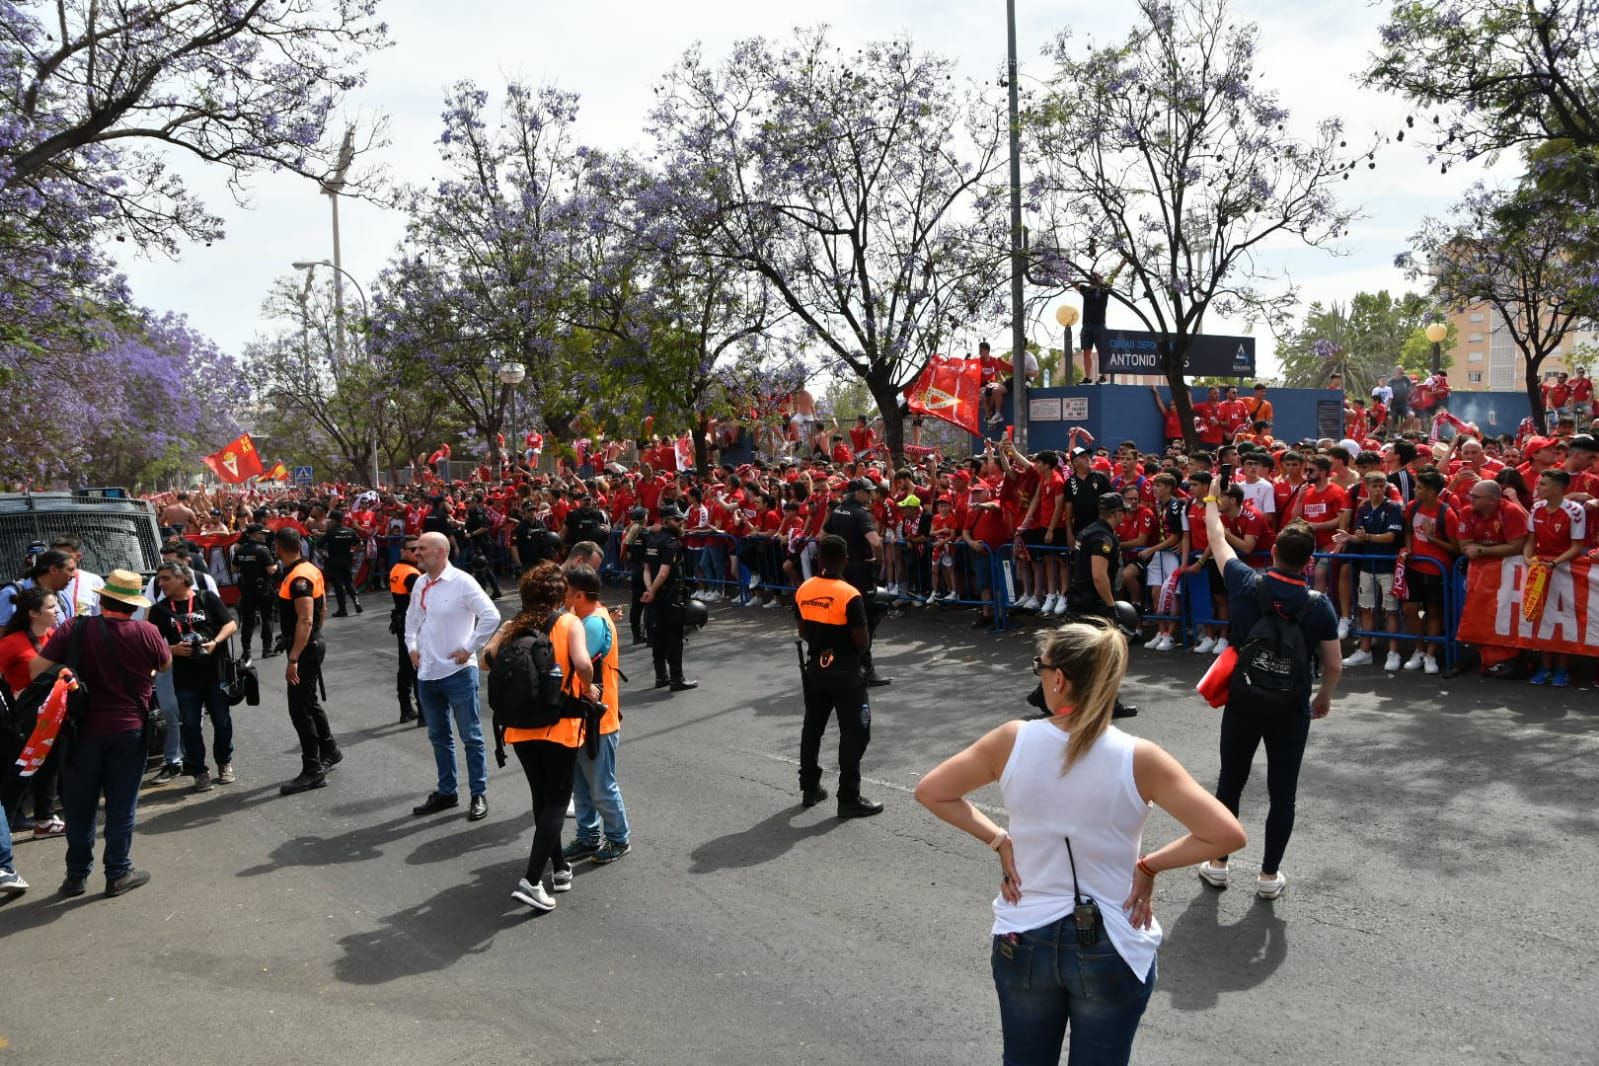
(548, 767)
(1285, 736)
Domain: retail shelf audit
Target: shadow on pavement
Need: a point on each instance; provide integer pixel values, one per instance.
(437, 933)
(766, 840)
(1202, 959)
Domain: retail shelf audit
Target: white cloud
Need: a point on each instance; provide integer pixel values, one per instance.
(612, 53)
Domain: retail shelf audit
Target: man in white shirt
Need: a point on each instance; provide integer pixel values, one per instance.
(449, 621)
(83, 591)
(1257, 489)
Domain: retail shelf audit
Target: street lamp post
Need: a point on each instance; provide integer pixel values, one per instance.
(331, 188)
(1436, 334)
(1018, 328)
(1066, 315)
(511, 375)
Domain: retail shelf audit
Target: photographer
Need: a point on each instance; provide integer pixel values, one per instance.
(195, 624)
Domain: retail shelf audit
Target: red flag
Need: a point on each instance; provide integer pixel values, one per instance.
(683, 451)
(237, 463)
(279, 472)
(948, 389)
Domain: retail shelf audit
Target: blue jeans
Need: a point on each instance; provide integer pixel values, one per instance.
(167, 696)
(193, 703)
(5, 844)
(1045, 980)
(455, 696)
(111, 766)
(596, 795)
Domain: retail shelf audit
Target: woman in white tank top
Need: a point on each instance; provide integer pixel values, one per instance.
(1074, 935)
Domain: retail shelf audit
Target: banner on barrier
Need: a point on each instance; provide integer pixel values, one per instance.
(1568, 622)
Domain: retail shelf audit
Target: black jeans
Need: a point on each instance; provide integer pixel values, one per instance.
(306, 712)
(253, 606)
(826, 691)
(1285, 736)
(342, 579)
(860, 575)
(636, 615)
(548, 767)
(405, 677)
(42, 785)
(666, 630)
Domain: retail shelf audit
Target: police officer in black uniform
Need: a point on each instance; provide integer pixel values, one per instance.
(1091, 595)
(851, 519)
(480, 557)
(533, 541)
(833, 623)
(255, 571)
(634, 541)
(338, 548)
(666, 594)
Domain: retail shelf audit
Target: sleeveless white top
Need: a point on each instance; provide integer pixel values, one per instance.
(1097, 804)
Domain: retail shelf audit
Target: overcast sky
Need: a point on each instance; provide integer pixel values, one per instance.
(612, 52)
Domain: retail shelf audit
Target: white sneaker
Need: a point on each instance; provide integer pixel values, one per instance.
(1430, 664)
(1359, 658)
(1048, 606)
(561, 880)
(698, 594)
(713, 597)
(571, 808)
(1220, 646)
(1343, 630)
(1214, 876)
(1204, 646)
(1392, 664)
(1415, 661)
(1270, 887)
(1060, 607)
(11, 882)
(1164, 642)
(755, 581)
(535, 896)
(773, 602)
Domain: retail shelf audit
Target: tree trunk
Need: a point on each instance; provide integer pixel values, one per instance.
(702, 450)
(888, 400)
(1172, 364)
(1534, 383)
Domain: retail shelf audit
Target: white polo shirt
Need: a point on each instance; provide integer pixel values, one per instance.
(448, 613)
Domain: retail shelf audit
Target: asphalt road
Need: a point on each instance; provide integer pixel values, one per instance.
(1442, 905)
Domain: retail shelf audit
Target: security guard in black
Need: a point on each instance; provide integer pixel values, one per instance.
(850, 519)
(832, 619)
(338, 546)
(1097, 550)
(664, 593)
(255, 569)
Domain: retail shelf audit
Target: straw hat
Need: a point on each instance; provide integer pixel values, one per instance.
(124, 586)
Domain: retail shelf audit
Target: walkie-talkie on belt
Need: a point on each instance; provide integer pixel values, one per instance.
(1086, 912)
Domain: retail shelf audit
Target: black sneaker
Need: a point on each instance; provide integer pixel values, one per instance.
(610, 851)
(304, 783)
(74, 886)
(127, 882)
(332, 759)
(578, 850)
(357, 607)
(169, 773)
(407, 715)
(662, 682)
(810, 797)
(877, 680)
(680, 685)
(339, 614)
(202, 781)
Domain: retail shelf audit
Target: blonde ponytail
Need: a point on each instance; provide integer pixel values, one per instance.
(1093, 656)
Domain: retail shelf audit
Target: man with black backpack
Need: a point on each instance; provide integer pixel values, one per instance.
(1277, 625)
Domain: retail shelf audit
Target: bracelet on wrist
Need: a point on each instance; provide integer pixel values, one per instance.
(1144, 868)
(999, 840)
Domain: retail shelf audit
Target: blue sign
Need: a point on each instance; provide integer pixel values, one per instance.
(1126, 351)
(302, 475)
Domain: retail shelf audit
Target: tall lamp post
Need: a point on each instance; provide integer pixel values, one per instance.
(1018, 265)
(332, 186)
(1067, 316)
(309, 266)
(1436, 334)
(511, 375)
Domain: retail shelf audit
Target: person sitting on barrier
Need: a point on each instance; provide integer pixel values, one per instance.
(1377, 530)
(1430, 534)
(1559, 535)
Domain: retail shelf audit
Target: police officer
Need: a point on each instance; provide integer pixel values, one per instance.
(255, 569)
(851, 519)
(338, 547)
(1091, 594)
(402, 576)
(666, 595)
(302, 601)
(833, 624)
(634, 541)
(479, 547)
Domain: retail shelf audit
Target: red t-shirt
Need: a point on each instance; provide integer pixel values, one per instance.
(862, 438)
(1207, 422)
(1556, 529)
(1250, 522)
(1146, 487)
(1283, 493)
(1379, 413)
(1503, 526)
(1171, 428)
(1581, 390)
(991, 525)
(842, 454)
(1424, 523)
(1322, 504)
(1556, 395)
(1198, 536)
(1134, 525)
(1356, 424)
(16, 652)
(1232, 414)
(1049, 493)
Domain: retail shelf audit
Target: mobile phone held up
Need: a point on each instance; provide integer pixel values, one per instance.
(1226, 481)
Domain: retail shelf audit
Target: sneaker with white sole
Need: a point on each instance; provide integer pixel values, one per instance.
(1204, 645)
(225, 774)
(1343, 629)
(1214, 876)
(535, 896)
(1430, 664)
(1359, 658)
(1048, 606)
(1028, 603)
(1060, 607)
(11, 883)
(1415, 661)
(1270, 887)
(1220, 646)
(1393, 663)
(561, 880)
(755, 582)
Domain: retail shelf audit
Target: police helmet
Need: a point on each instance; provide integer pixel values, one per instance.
(1126, 616)
(695, 614)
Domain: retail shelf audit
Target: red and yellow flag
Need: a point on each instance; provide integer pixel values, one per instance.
(236, 463)
(279, 472)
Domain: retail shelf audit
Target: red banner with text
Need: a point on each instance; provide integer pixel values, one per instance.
(1567, 621)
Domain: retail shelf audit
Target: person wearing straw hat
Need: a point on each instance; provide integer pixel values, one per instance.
(116, 656)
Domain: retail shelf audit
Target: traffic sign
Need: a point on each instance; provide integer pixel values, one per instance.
(302, 475)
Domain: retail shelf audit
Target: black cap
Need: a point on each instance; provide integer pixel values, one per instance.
(254, 528)
(1112, 501)
(1080, 450)
(670, 510)
(637, 514)
(1583, 441)
(859, 484)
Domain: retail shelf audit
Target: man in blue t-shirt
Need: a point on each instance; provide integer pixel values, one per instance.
(1284, 734)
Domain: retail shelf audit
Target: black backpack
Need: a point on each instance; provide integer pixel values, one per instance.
(526, 687)
(1273, 672)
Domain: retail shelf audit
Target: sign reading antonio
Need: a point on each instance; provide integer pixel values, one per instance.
(1127, 351)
